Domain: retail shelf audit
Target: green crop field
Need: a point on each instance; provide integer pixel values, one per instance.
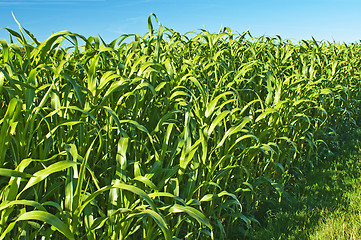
(163, 136)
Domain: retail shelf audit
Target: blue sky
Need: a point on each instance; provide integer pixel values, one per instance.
(329, 20)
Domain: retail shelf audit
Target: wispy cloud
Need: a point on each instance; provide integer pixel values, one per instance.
(136, 19)
(44, 2)
(51, 1)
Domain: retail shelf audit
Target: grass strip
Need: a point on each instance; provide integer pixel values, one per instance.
(326, 206)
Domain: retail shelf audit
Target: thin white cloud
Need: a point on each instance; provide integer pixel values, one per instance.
(136, 19)
(44, 2)
(50, 1)
(116, 30)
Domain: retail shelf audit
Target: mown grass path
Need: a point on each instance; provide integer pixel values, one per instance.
(327, 206)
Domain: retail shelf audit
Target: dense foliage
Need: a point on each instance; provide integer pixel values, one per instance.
(165, 135)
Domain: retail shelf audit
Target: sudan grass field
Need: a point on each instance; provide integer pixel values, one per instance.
(163, 136)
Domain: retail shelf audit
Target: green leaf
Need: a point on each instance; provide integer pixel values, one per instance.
(213, 104)
(47, 218)
(5, 205)
(123, 186)
(10, 117)
(42, 174)
(217, 120)
(13, 173)
(265, 113)
(158, 219)
(194, 213)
